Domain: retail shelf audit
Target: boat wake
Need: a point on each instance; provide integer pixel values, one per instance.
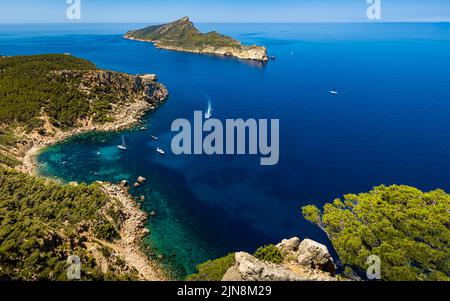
(209, 110)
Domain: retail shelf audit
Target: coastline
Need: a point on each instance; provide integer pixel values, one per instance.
(132, 233)
(224, 51)
(133, 230)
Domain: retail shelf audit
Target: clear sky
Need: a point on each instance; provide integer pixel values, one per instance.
(118, 11)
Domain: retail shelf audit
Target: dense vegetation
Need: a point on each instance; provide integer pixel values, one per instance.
(269, 253)
(407, 228)
(27, 89)
(40, 227)
(213, 270)
(182, 33)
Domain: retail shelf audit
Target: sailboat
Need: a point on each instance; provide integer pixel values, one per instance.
(123, 146)
(209, 110)
(160, 151)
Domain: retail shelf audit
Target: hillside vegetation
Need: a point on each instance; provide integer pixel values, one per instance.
(183, 33)
(407, 228)
(43, 223)
(28, 89)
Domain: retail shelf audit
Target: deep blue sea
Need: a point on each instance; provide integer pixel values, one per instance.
(389, 124)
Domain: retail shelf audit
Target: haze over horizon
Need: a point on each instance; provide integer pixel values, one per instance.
(223, 11)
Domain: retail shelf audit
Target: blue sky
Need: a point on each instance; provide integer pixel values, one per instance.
(49, 11)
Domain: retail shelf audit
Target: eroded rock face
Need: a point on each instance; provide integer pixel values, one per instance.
(317, 264)
(316, 256)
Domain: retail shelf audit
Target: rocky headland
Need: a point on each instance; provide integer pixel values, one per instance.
(181, 35)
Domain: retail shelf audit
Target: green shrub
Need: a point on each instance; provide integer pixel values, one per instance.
(407, 228)
(38, 221)
(213, 270)
(106, 231)
(269, 253)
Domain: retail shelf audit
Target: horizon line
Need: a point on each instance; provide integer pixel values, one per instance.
(259, 22)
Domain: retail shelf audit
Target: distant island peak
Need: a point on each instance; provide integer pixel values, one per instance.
(182, 35)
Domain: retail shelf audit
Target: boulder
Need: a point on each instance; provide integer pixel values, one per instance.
(314, 264)
(288, 246)
(313, 255)
(150, 77)
(124, 183)
(137, 184)
(141, 180)
(249, 268)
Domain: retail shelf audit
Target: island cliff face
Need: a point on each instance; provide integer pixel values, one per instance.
(182, 35)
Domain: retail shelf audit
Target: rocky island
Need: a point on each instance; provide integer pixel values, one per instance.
(181, 35)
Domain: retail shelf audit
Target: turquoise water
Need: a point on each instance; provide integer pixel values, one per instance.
(388, 125)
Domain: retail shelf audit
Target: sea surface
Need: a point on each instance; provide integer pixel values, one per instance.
(389, 124)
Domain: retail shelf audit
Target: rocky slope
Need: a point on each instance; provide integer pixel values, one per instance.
(181, 35)
(304, 260)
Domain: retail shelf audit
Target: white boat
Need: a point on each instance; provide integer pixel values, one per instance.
(123, 146)
(209, 110)
(334, 92)
(154, 137)
(161, 151)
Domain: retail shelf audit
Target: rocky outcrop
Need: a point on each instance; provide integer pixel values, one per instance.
(316, 256)
(302, 261)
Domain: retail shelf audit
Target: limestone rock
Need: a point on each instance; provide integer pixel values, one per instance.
(316, 256)
(302, 261)
(141, 180)
(150, 77)
(289, 245)
(249, 268)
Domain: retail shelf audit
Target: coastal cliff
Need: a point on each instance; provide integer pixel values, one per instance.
(181, 35)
